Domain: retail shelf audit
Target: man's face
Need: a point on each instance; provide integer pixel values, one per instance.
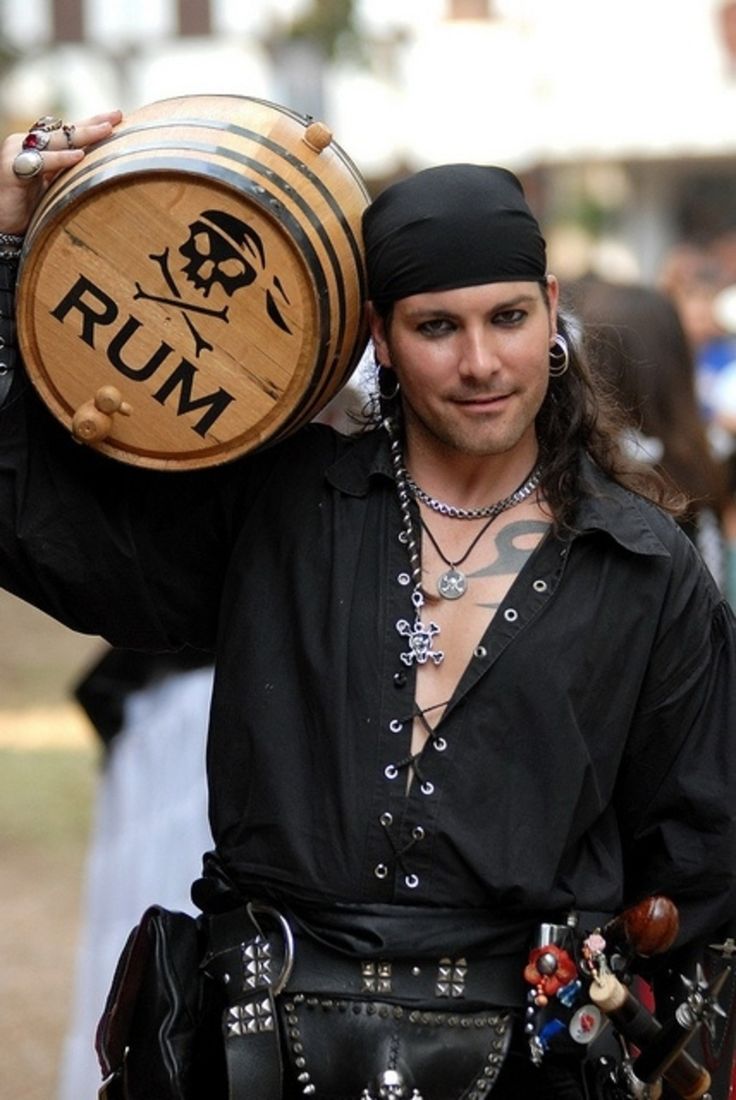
(473, 365)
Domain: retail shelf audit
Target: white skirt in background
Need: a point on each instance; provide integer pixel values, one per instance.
(149, 832)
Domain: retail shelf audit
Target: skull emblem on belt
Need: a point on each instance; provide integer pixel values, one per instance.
(391, 1086)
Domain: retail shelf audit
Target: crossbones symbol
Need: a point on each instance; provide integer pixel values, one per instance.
(221, 251)
(200, 343)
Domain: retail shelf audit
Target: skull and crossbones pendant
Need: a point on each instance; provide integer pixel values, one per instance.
(420, 636)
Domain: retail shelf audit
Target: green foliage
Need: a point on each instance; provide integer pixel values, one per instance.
(329, 25)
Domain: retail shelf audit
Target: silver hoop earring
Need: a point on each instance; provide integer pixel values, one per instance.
(382, 373)
(559, 357)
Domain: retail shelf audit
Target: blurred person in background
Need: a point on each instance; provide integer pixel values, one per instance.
(640, 350)
(149, 826)
(694, 277)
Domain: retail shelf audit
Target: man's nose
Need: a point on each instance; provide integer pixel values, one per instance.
(479, 356)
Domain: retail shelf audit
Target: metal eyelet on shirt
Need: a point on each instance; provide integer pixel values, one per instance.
(418, 832)
(386, 819)
(391, 771)
(403, 538)
(404, 578)
(539, 585)
(439, 744)
(395, 725)
(511, 614)
(427, 787)
(412, 881)
(380, 870)
(480, 652)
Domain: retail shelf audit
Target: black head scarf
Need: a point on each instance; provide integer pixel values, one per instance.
(451, 226)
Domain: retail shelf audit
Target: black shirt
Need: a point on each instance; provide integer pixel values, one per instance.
(587, 756)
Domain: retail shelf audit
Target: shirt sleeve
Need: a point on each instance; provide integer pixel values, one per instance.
(136, 556)
(676, 790)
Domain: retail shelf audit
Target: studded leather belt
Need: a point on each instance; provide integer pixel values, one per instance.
(349, 1022)
(256, 949)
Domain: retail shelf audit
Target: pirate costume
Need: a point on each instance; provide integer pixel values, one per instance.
(367, 937)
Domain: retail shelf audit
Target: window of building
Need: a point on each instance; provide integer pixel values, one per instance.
(67, 21)
(469, 9)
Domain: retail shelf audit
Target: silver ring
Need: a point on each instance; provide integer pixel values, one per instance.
(28, 164)
(46, 122)
(37, 139)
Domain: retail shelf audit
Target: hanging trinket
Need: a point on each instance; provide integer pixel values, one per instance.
(549, 969)
(555, 990)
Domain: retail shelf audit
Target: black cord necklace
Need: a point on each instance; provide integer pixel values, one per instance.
(453, 583)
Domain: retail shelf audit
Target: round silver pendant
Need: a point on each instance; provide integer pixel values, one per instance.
(452, 584)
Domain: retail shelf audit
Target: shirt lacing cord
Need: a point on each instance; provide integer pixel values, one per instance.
(401, 851)
(392, 771)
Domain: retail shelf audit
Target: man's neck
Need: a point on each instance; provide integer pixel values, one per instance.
(468, 480)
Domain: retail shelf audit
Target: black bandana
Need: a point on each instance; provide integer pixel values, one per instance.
(451, 226)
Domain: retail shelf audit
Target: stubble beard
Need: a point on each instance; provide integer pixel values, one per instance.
(479, 441)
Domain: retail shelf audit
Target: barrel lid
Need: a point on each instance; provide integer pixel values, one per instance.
(174, 312)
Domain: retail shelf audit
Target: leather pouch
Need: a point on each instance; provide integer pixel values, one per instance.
(370, 1049)
(159, 1035)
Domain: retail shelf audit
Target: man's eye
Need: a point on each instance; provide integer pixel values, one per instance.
(509, 317)
(438, 326)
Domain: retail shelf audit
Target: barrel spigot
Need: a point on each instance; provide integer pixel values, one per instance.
(93, 420)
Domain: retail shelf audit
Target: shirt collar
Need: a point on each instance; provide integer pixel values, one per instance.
(604, 506)
(365, 456)
(626, 517)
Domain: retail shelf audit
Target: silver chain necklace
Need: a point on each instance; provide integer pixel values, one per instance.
(487, 511)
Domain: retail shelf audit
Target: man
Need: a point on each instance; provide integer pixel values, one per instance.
(473, 696)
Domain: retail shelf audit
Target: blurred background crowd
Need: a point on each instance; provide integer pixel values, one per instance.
(619, 119)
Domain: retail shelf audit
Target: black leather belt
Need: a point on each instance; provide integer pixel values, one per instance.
(255, 955)
(244, 956)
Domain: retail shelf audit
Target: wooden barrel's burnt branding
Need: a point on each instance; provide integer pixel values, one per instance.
(204, 265)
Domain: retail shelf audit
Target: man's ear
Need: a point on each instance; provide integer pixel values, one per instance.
(553, 295)
(377, 329)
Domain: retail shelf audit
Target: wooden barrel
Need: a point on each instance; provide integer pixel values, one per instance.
(194, 287)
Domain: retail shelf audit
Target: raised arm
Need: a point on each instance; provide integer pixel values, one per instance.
(133, 555)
